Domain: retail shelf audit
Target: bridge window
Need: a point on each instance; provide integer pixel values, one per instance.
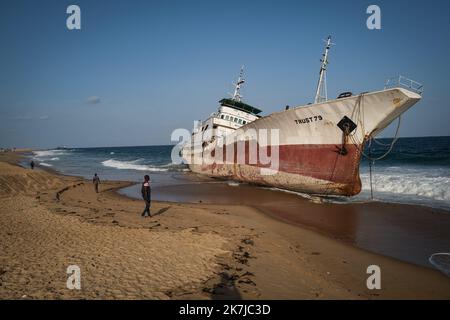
(222, 116)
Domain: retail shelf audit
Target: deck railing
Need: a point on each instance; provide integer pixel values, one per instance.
(404, 82)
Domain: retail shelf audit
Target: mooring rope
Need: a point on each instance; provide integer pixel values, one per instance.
(358, 112)
(391, 145)
(358, 115)
(370, 170)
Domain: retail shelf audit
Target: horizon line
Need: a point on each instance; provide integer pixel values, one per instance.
(164, 145)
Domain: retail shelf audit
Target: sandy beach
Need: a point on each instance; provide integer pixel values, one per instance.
(49, 221)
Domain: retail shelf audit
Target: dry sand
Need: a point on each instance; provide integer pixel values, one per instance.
(187, 251)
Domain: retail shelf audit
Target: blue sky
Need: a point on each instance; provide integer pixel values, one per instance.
(139, 69)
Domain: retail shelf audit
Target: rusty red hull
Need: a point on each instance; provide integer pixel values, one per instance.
(321, 169)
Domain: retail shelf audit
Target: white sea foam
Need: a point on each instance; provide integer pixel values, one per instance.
(54, 159)
(49, 153)
(131, 165)
(429, 186)
(424, 186)
(45, 164)
(313, 198)
(410, 183)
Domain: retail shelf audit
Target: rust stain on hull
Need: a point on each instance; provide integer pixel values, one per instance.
(317, 169)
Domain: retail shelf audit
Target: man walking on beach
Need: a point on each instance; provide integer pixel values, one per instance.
(146, 195)
(96, 181)
(32, 164)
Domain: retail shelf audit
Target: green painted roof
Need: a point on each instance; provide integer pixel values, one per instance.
(239, 105)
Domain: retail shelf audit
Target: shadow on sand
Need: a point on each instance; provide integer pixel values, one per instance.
(161, 211)
(225, 289)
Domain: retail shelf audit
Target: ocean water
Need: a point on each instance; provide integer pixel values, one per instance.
(416, 171)
(113, 163)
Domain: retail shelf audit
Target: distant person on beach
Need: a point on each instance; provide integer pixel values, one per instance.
(146, 195)
(32, 164)
(96, 181)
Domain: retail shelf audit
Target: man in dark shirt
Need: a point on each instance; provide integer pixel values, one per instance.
(146, 195)
(96, 181)
(32, 164)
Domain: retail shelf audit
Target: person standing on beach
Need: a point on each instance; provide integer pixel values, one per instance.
(96, 181)
(146, 195)
(32, 164)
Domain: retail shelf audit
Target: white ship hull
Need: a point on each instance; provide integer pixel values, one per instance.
(314, 154)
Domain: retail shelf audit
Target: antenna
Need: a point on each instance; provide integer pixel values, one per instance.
(237, 86)
(321, 92)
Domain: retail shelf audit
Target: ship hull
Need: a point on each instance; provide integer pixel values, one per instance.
(313, 154)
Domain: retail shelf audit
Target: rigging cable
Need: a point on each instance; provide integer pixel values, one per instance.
(370, 170)
(358, 113)
(391, 145)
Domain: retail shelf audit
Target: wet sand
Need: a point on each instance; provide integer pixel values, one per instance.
(187, 251)
(409, 233)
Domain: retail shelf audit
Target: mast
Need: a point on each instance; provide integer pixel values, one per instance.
(237, 86)
(321, 92)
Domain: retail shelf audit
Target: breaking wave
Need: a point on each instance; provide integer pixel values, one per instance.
(429, 186)
(136, 165)
(45, 164)
(131, 165)
(49, 153)
(413, 184)
(420, 186)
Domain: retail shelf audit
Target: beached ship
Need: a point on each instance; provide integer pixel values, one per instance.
(318, 147)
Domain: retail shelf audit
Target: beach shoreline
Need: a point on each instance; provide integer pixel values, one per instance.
(193, 250)
(408, 232)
